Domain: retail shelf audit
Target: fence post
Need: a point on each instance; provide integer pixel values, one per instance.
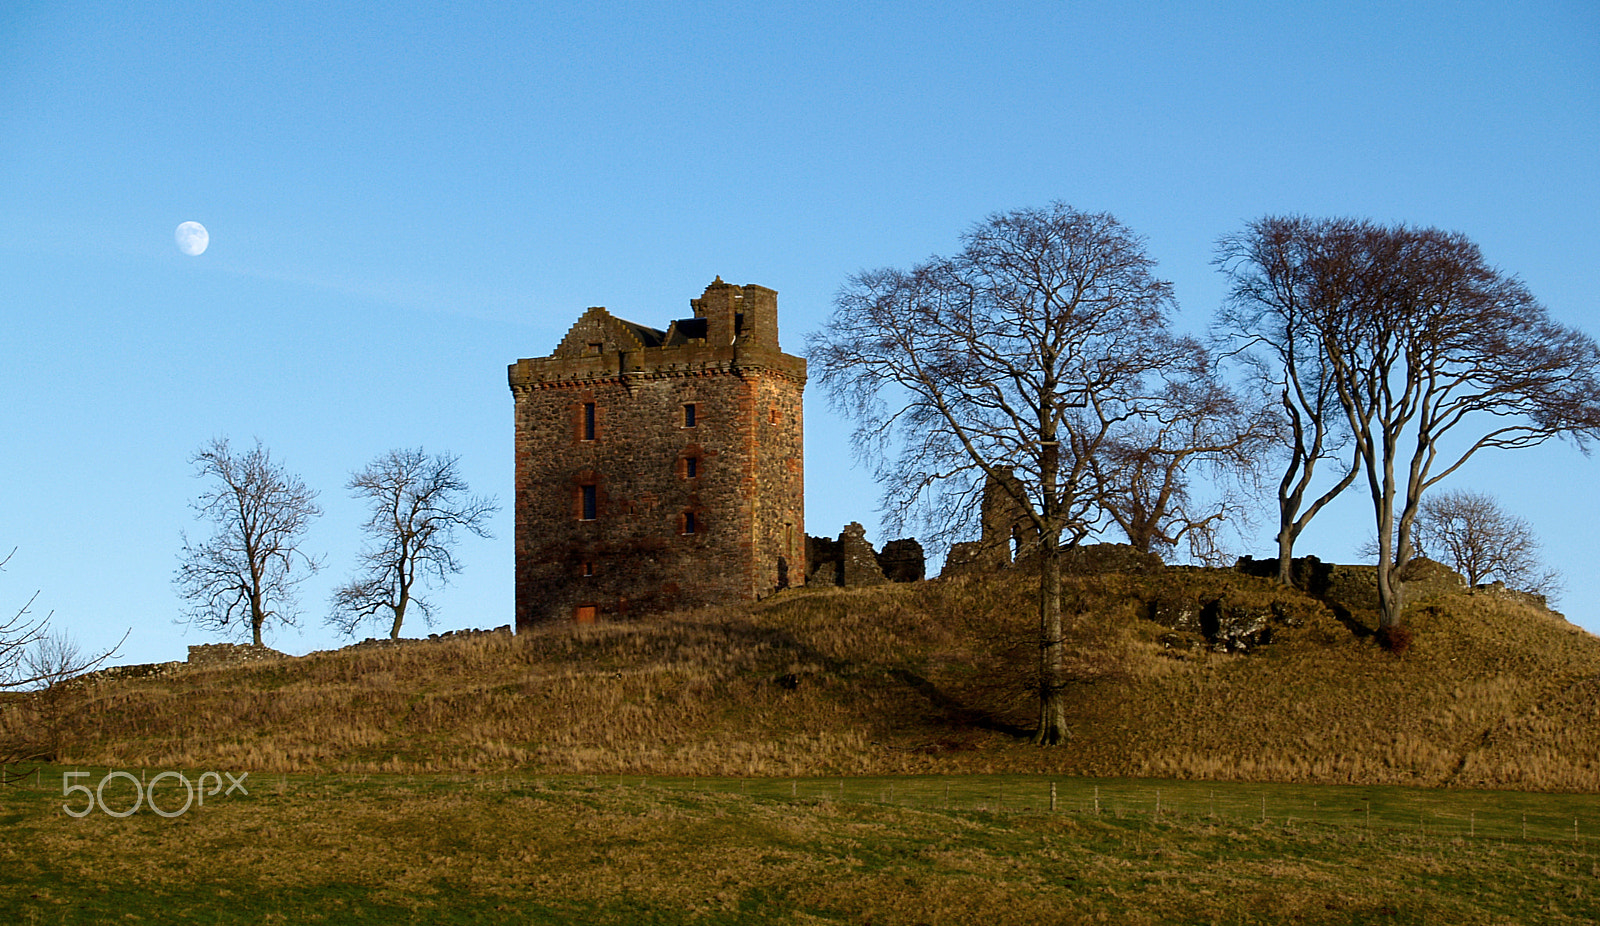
(1052, 797)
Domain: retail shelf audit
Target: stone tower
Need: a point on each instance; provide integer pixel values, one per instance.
(659, 469)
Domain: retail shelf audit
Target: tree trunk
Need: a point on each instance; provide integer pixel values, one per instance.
(1052, 710)
(399, 615)
(1390, 600)
(257, 617)
(1389, 603)
(1286, 555)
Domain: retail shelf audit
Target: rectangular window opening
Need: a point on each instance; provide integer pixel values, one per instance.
(689, 524)
(588, 421)
(691, 467)
(688, 415)
(590, 502)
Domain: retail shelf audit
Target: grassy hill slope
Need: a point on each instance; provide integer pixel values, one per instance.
(930, 677)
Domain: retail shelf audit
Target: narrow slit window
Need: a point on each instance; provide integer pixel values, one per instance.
(689, 524)
(691, 467)
(588, 421)
(590, 502)
(688, 415)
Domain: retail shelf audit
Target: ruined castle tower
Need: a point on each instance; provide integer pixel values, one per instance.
(659, 469)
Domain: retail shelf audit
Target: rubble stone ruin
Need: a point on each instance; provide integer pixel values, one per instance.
(851, 562)
(659, 469)
(1006, 531)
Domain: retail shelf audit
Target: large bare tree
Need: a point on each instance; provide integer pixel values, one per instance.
(417, 504)
(1012, 362)
(1436, 355)
(1286, 272)
(244, 575)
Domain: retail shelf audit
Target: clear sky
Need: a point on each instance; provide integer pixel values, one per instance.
(403, 198)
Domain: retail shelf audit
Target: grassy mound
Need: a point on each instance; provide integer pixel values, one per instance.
(924, 678)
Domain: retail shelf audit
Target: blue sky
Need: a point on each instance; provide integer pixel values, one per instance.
(403, 200)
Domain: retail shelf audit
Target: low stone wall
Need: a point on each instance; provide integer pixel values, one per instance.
(463, 634)
(215, 654)
(118, 673)
(1095, 559)
(1355, 587)
(1499, 590)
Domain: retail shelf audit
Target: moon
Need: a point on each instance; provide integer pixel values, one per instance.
(192, 238)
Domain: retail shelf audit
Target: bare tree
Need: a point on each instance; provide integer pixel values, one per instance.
(245, 574)
(33, 657)
(418, 502)
(1145, 476)
(1012, 363)
(1470, 532)
(1284, 275)
(1436, 355)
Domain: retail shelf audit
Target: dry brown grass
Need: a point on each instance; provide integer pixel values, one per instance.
(922, 678)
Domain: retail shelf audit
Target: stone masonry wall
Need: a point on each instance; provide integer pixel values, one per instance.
(1356, 586)
(684, 513)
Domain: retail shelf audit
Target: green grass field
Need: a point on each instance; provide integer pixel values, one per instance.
(442, 848)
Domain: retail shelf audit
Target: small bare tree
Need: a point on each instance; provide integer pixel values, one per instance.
(1146, 474)
(245, 574)
(1470, 532)
(36, 659)
(418, 502)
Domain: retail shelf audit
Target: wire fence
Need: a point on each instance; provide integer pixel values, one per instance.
(1370, 810)
(1351, 810)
